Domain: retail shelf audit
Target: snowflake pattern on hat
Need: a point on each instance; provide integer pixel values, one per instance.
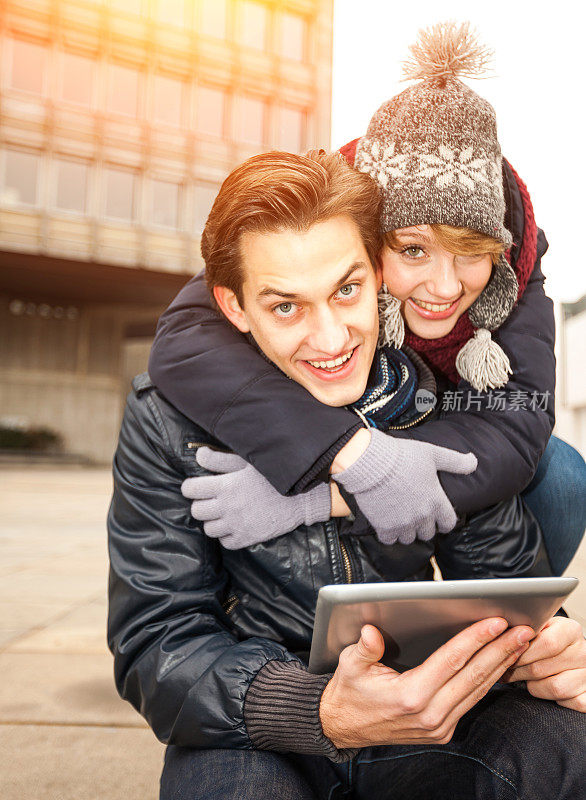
(380, 162)
(449, 166)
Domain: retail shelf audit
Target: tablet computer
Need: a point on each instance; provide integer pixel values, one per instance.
(416, 618)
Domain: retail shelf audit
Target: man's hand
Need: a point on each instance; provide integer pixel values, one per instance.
(396, 485)
(554, 665)
(367, 704)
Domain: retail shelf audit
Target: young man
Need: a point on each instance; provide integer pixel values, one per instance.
(210, 644)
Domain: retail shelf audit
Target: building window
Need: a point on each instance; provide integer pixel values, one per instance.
(291, 129)
(213, 18)
(253, 25)
(165, 203)
(167, 100)
(293, 37)
(123, 87)
(171, 12)
(130, 6)
(120, 191)
(28, 67)
(205, 194)
(20, 181)
(77, 79)
(209, 111)
(71, 188)
(249, 120)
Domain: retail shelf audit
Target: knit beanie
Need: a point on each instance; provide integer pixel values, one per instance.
(433, 150)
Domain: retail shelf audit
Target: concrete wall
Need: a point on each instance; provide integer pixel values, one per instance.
(64, 368)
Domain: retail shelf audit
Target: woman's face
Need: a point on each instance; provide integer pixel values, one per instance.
(434, 286)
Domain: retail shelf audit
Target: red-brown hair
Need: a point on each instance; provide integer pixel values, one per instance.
(281, 191)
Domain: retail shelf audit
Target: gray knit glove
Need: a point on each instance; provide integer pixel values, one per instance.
(240, 507)
(396, 486)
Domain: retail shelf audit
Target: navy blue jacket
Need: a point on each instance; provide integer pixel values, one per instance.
(217, 378)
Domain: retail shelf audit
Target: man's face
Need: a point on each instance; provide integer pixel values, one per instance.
(310, 302)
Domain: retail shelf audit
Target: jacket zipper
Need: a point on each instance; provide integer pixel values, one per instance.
(347, 562)
(230, 604)
(410, 424)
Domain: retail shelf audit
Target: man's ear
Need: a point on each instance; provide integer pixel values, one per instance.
(379, 273)
(230, 307)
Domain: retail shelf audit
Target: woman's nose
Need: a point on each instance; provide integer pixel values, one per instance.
(443, 282)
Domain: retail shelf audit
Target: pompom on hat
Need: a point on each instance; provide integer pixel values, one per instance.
(433, 150)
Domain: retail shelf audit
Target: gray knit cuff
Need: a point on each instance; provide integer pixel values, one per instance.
(281, 712)
(372, 467)
(317, 503)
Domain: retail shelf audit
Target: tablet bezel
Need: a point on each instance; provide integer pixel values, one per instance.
(342, 609)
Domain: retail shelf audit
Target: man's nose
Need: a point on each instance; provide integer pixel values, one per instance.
(329, 335)
(443, 282)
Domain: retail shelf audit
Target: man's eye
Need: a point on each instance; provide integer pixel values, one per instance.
(284, 309)
(349, 290)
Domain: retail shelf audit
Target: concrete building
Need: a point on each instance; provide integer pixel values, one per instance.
(571, 374)
(119, 120)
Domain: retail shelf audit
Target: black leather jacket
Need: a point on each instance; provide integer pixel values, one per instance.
(191, 624)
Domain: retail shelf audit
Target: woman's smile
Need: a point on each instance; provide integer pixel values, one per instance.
(429, 310)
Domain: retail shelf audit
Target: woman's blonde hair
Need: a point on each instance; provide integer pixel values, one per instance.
(460, 241)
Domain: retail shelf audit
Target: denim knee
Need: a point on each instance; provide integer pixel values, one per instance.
(190, 774)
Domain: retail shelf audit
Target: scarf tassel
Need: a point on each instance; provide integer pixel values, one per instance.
(391, 324)
(483, 363)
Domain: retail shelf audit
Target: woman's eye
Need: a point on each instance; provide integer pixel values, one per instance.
(413, 251)
(349, 290)
(472, 259)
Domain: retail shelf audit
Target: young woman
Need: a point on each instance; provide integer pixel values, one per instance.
(462, 261)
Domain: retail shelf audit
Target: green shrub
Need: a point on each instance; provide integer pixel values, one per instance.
(42, 439)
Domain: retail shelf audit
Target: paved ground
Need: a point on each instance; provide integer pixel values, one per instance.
(64, 733)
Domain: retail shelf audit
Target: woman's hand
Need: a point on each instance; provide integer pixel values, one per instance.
(238, 506)
(396, 485)
(554, 664)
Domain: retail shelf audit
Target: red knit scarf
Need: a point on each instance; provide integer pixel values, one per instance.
(441, 353)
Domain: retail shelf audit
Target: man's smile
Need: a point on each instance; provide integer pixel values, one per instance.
(331, 364)
(334, 369)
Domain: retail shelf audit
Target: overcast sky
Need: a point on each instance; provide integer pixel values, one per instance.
(538, 92)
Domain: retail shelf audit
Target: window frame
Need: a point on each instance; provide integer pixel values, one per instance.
(283, 13)
(38, 185)
(140, 90)
(180, 185)
(227, 102)
(45, 48)
(265, 47)
(215, 187)
(136, 204)
(237, 115)
(60, 157)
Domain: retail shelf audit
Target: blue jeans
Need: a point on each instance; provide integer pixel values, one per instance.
(557, 498)
(510, 746)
